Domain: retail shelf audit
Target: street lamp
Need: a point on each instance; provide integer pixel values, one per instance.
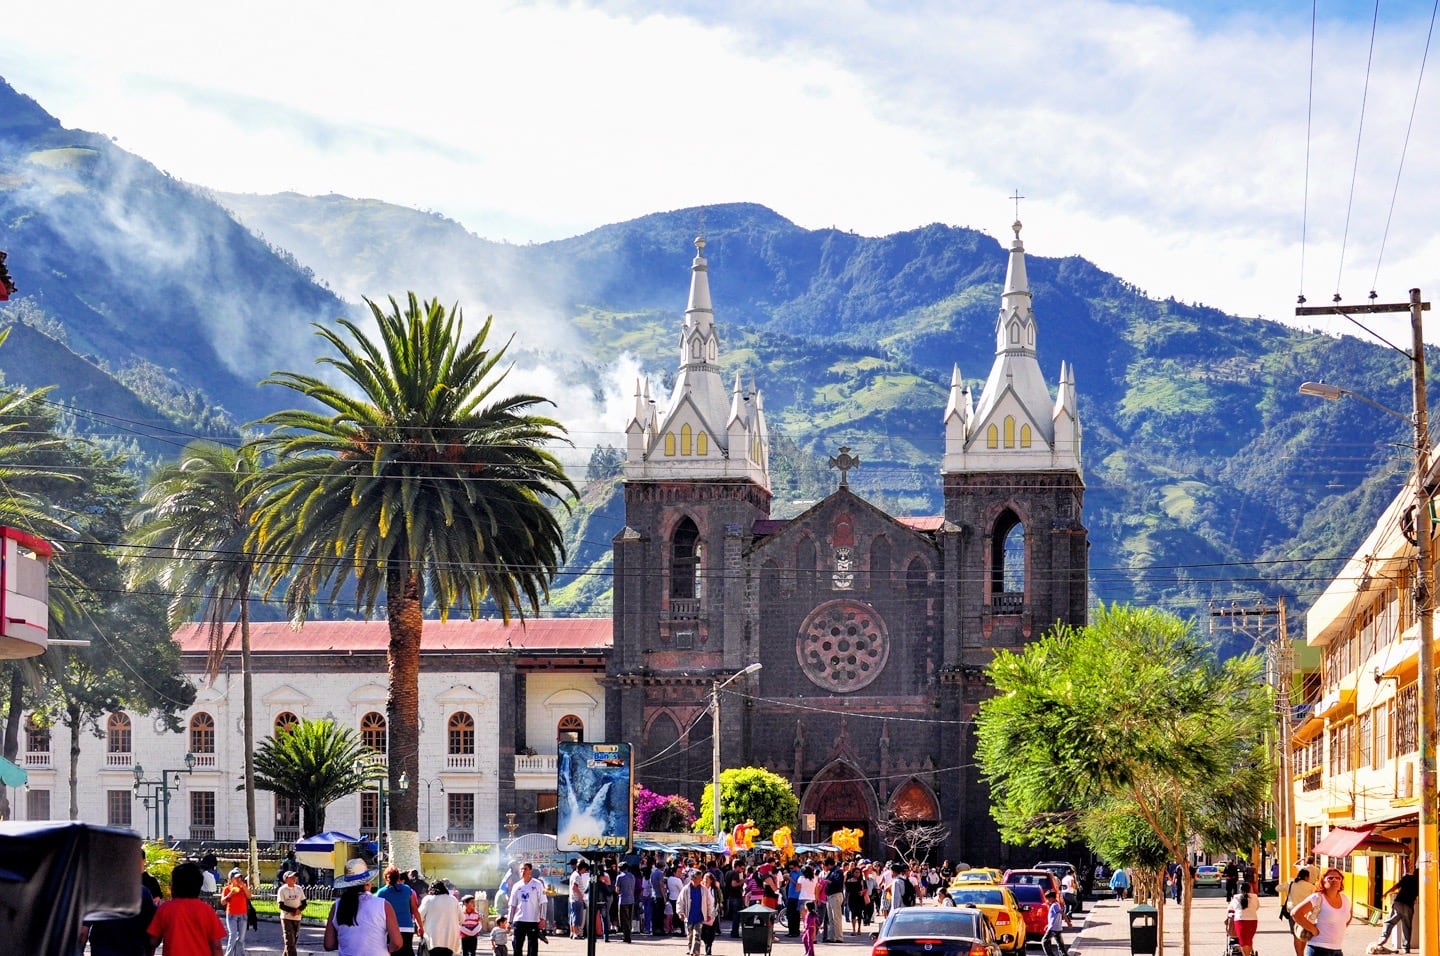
(1429, 935)
(402, 785)
(159, 792)
(429, 817)
(715, 688)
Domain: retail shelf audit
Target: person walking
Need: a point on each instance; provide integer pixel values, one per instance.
(398, 893)
(625, 882)
(1120, 883)
(440, 913)
(855, 895)
(291, 900)
(472, 924)
(1296, 893)
(1230, 875)
(1324, 915)
(235, 897)
(1055, 922)
(833, 900)
(809, 928)
(1402, 911)
(697, 907)
(527, 912)
(500, 937)
(579, 887)
(360, 922)
(187, 923)
(1244, 914)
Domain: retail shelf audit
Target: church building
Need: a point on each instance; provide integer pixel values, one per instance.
(871, 630)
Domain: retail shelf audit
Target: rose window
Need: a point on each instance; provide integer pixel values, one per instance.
(842, 646)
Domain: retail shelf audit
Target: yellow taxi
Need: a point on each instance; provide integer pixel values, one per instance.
(998, 904)
(979, 874)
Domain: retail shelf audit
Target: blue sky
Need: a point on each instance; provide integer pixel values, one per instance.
(1165, 141)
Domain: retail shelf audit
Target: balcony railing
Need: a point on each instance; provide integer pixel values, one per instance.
(460, 834)
(287, 834)
(38, 760)
(116, 760)
(1311, 781)
(1008, 602)
(205, 761)
(202, 833)
(459, 761)
(535, 763)
(684, 609)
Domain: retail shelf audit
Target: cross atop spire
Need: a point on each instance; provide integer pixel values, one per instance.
(1017, 197)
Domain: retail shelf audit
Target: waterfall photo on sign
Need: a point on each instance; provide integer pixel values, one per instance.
(593, 786)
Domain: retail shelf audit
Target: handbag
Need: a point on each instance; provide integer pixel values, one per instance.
(1285, 902)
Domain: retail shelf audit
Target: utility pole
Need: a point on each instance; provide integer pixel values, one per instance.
(1255, 624)
(1428, 909)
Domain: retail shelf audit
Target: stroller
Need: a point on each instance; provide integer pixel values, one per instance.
(1232, 942)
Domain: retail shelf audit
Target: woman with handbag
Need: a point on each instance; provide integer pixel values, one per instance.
(1322, 916)
(1295, 894)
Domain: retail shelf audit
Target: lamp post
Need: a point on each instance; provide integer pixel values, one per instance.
(159, 791)
(429, 817)
(715, 688)
(1426, 869)
(381, 795)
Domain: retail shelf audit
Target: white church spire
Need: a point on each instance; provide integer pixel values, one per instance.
(705, 430)
(1015, 424)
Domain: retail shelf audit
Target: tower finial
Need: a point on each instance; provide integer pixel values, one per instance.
(1017, 197)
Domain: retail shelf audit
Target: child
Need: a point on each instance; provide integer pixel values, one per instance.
(810, 928)
(500, 937)
(470, 926)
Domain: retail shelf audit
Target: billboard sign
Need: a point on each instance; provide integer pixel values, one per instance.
(595, 809)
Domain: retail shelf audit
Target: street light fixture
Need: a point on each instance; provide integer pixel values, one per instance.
(1426, 869)
(159, 792)
(429, 816)
(378, 773)
(715, 688)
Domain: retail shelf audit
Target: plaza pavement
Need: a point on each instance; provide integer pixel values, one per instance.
(1104, 928)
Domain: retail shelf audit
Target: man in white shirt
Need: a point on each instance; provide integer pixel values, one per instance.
(579, 886)
(527, 911)
(291, 900)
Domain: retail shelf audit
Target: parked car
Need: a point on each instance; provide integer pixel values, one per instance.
(1207, 875)
(1031, 899)
(1058, 867)
(936, 931)
(1042, 878)
(998, 903)
(978, 874)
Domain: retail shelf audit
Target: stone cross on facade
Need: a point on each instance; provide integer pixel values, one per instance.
(845, 461)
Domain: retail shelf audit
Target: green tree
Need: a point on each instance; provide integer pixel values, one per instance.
(315, 762)
(1134, 707)
(192, 538)
(749, 793)
(424, 480)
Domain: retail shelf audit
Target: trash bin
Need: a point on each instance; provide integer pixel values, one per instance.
(757, 928)
(1143, 929)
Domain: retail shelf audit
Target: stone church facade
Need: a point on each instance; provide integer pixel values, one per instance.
(871, 630)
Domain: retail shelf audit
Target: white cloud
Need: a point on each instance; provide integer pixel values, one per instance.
(1169, 151)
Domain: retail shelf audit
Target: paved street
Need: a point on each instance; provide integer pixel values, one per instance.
(1106, 929)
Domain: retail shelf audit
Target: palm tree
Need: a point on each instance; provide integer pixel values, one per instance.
(193, 526)
(315, 762)
(424, 480)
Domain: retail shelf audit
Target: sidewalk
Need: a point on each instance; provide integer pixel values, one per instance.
(1107, 929)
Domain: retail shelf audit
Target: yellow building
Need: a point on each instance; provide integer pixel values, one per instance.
(1354, 750)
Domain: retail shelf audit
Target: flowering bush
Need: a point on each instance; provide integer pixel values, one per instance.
(661, 813)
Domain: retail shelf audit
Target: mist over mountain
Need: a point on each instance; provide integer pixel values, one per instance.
(1208, 478)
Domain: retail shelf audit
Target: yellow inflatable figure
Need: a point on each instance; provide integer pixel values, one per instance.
(847, 839)
(784, 844)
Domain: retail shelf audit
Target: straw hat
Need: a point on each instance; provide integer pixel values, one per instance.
(356, 874)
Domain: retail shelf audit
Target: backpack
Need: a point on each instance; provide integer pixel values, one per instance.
(907, 892)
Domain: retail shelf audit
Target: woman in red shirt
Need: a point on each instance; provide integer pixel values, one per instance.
(186, 924)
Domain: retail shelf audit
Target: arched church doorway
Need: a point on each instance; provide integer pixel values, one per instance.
(839, 797)
(913, 823)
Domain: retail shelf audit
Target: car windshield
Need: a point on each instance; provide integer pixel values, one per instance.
(932, 921)
(1028, 893)
(1032, 878)
(988, 897)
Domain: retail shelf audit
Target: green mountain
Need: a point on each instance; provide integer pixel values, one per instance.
(1209, 479)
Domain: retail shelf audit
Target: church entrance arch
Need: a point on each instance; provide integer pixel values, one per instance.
(840, 796)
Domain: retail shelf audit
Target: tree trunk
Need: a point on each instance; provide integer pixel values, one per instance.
(403, 591)
(15, 703)
(72, 714)
(249, 718)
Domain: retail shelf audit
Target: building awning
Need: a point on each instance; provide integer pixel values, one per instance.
(11, 775)
(1338, 700)
(1342, 841)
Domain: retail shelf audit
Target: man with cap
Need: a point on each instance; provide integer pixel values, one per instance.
(291, 900)
(235, 897)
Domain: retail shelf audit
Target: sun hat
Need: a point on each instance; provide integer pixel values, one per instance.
(235, 872)
(356, 874)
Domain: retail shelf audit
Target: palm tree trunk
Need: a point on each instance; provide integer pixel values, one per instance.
(249, 718)
(72, 713)
(15, 703)
(406, 619)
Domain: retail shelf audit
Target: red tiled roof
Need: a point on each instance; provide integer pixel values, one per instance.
(541, 635)
(924, 523)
